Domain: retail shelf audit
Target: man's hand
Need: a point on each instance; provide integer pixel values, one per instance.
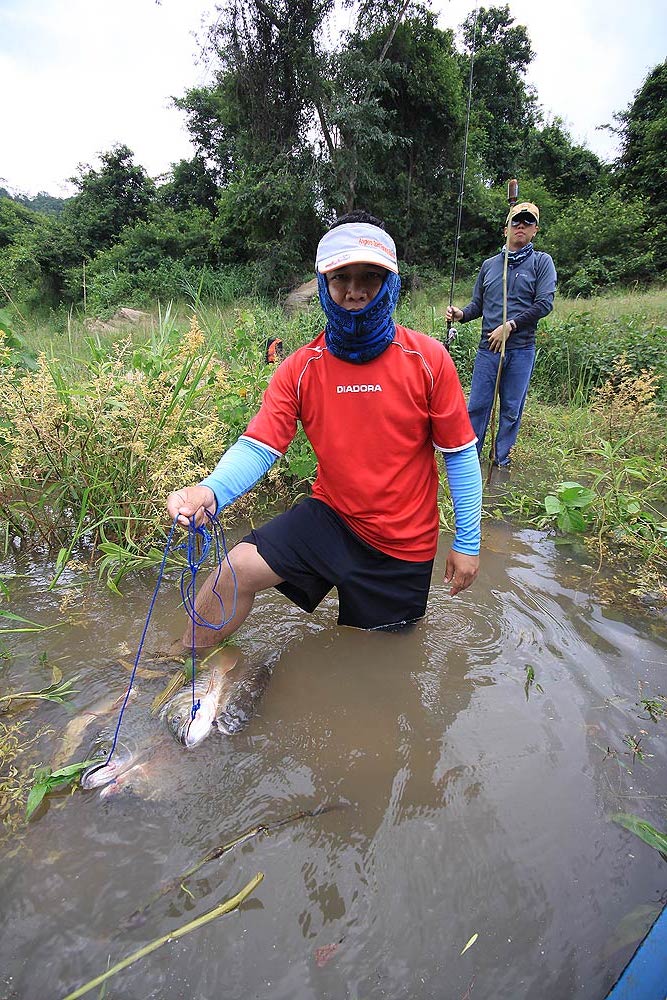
(454, 313)
(189, 501)
(496, 336)
(461, 570)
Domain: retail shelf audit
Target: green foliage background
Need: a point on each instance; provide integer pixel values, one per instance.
(296, 128)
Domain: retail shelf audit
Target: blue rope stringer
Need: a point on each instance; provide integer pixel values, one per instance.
(203, 538)
(199, 538)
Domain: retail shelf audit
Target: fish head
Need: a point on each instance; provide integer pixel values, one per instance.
(178, 716)
(189, 727)
(105, 770)
(199, 726)
(191, 724)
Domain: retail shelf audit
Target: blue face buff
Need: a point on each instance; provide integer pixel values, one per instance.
(515, 257)
(363, 335)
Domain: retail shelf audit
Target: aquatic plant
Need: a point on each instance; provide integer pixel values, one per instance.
(217, 911)
(530, 681)
(654, 838)
(45, 780)
(57, 691)
(569, 506)
(656, 708)
(15, 781)
(23, 624)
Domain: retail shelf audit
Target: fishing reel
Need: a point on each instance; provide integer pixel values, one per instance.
(451, 334)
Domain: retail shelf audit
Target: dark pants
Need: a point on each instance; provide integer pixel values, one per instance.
(312, 549)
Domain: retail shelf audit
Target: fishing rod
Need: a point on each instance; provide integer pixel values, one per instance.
(512, 198)
(451, 330)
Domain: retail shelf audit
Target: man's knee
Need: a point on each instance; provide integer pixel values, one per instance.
(252, 572)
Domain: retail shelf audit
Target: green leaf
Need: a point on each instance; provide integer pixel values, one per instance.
(71, 771)
(46, 781)
(577, 521)
(578, 497)
(654, 838)
(571, 521)
(564, 522)
(35, 796)
(552, 504)
(30, 626)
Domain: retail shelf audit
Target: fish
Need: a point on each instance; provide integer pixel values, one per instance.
(191, 727)
(243, 698)
(76, 728)
(224, 658)
(106, 771)
(138, 777)
(227, 702)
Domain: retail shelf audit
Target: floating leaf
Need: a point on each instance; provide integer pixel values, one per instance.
(54, 692)
(654, 838)
(633, 927)
(46, 780)
(470, 943)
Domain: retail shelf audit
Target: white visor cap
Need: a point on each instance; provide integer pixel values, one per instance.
(356, 243)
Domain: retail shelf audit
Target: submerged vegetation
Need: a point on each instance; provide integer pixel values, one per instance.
(16, 776)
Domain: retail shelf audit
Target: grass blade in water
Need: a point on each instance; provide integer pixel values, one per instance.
(175, 684)
(217, 911)
(654, 838)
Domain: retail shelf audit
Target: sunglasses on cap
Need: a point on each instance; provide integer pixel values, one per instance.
(524, 220)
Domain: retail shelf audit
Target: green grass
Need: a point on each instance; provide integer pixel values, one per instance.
(108, 422)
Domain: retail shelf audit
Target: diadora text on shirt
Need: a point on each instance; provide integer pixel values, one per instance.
(359, 387)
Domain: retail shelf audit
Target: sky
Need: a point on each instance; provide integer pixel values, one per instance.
(78, 76)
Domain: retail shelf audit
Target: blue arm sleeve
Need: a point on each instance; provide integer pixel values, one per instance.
(238, 470)
(464, 476)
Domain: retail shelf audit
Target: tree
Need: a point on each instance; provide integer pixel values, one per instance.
(590, 240)
(641, 167)
(504, 105)
(567, 169)
(108, 200)
(191, 185)
(261, 104)
(252, 128)
(405, 110)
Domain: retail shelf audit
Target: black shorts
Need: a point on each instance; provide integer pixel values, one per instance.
(312, 549)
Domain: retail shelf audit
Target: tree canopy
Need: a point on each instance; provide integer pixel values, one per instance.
(301, 123)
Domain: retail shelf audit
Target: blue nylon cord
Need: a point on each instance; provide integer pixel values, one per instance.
(188, 594)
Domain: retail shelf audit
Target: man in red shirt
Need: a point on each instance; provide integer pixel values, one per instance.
(376, 401)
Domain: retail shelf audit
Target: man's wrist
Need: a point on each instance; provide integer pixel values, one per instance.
(212, 499)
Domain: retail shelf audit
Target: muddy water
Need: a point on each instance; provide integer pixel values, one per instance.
(464, 806)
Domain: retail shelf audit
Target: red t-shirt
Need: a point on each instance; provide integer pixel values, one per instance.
(373, 428)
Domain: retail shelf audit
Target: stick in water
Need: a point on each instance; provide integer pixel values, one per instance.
(217, 911)
(138, 917)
